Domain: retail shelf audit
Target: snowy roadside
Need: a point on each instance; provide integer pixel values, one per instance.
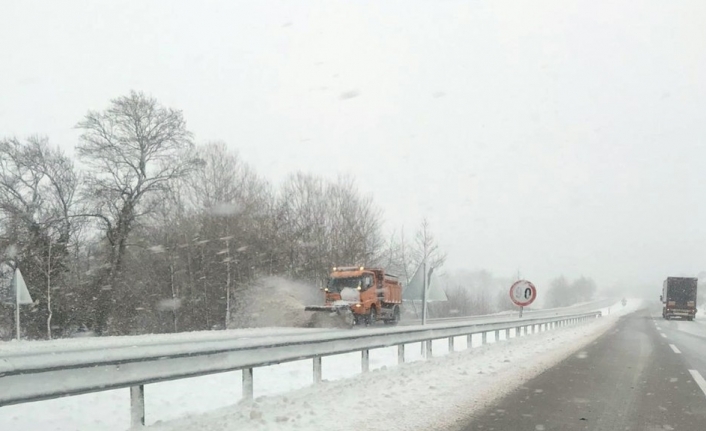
(427, 395)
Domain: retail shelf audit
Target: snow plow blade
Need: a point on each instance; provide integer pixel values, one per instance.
(319, 308)
(330, 317)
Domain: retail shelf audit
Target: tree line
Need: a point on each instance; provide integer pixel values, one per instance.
(147, 231)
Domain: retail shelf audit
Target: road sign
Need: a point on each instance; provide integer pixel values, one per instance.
(14, 292)
(20, 289)
(523, 293)
(10, 287)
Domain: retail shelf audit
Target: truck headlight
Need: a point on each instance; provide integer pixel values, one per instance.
(357, 305)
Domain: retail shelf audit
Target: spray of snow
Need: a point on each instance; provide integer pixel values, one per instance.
(170, 304)
(275, 301)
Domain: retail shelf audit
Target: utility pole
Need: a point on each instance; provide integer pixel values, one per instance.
(49, 316)
(17, 305)
(424, 292)
(227, 261)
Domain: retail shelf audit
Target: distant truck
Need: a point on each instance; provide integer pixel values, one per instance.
(679, 298)
(362, 296)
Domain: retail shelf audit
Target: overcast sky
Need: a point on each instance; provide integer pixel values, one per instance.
(553, 137)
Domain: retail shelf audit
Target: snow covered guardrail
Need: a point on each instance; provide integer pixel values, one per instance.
(27, 376)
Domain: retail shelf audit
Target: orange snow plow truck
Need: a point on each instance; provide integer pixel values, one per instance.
(362, 296)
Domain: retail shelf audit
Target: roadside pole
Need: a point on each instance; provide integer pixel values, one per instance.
(424, 293)
(16, 285)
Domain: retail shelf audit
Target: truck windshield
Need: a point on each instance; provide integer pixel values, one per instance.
(337, 284)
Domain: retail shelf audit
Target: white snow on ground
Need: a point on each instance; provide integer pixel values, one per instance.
(85, 343)
(417, 393)
(429, 395)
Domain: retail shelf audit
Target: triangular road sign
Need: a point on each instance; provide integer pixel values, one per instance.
(19, 286)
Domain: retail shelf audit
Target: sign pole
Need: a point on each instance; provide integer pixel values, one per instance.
(17, 305)
(521, 308)
(424, 293)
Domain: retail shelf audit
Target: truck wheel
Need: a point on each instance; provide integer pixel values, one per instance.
(372, 316)
(395, 316)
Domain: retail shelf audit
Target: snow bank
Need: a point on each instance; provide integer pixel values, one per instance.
(427, 395)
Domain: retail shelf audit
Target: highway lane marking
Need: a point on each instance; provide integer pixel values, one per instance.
(663, 336)
(699, 380)
(677, 351)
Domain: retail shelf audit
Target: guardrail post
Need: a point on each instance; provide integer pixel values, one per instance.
(137, 406)
(483, 338)
(469, 341)
(507, 334)
(317, 369)
(451, 344)
(365, 360)
(247, 384)
(428, 349)
(497, 335)
(400, 354)
(518, 332)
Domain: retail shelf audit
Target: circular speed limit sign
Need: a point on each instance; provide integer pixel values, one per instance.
(523, 293)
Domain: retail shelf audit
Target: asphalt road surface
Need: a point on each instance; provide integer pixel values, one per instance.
(645, 374)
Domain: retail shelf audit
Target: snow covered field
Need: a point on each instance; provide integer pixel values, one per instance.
(425, 394)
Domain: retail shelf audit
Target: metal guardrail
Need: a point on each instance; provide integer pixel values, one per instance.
(528, 312)
(26, 377)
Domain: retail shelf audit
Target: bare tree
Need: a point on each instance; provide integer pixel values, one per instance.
(326, 224)
(426, 247)
(38, 185)
(353, 225)
(133, 150)
(559, 294)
